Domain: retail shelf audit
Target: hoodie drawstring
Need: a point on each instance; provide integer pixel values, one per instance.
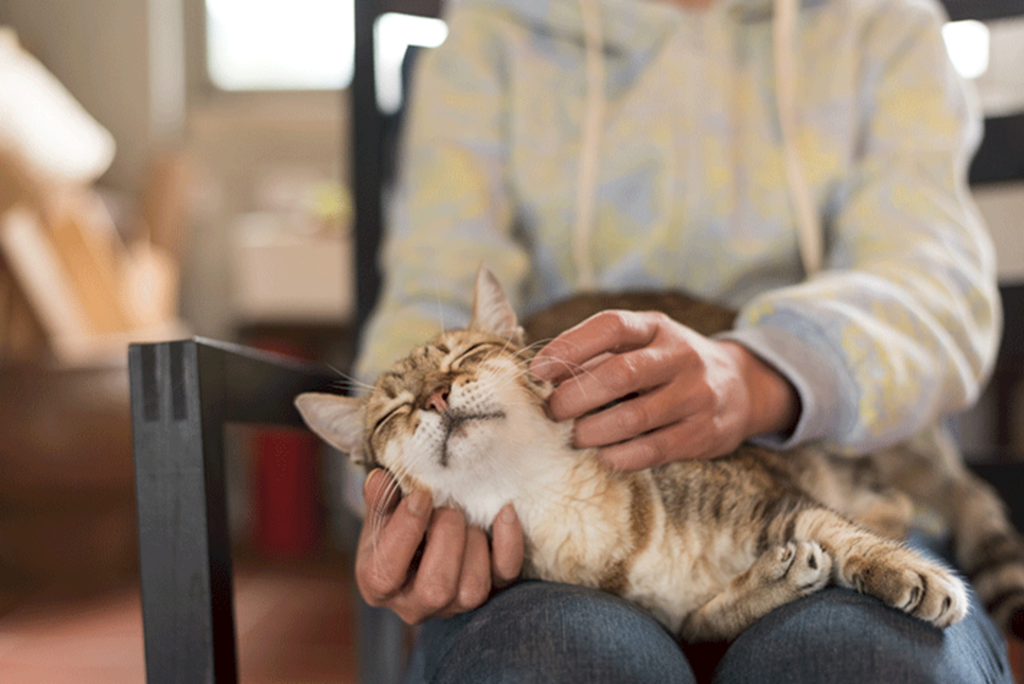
(784, 25)
(593, 120)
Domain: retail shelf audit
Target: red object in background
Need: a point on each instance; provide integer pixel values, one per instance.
(287, 511)
(287, 508)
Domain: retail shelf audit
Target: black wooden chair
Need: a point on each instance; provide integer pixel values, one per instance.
(184, 392)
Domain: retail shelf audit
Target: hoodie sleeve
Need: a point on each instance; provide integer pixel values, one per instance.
(451, 211)
(902, 326)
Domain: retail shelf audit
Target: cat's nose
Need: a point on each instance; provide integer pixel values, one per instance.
(438, 400)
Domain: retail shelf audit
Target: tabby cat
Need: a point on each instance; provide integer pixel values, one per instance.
(707, 547)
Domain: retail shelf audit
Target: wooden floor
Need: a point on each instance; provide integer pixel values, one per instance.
(293, 624)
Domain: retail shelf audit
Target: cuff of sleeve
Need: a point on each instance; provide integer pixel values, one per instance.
(821, 391)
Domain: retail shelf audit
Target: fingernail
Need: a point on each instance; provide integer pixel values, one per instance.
(419, 503)
(541, 367)
(366, 482)
(507, 514)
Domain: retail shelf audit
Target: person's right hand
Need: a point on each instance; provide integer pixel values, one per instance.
(456, 568)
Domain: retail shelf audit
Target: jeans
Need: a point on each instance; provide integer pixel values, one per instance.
(546, 632)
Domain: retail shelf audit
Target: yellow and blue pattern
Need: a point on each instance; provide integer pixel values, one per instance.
(901, 325)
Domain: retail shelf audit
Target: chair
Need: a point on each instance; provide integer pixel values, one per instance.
(184, 392)
(182, 395)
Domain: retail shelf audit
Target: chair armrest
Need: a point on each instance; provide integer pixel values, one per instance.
(182, 394)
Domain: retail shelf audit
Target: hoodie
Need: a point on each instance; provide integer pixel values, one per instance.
(680, 169)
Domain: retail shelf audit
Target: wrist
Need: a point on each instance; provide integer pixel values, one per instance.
(773, 404)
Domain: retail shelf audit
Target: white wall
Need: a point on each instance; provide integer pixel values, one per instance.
(102, 52)
(138, 67)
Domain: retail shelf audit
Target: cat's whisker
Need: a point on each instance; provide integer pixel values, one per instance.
(347, 381)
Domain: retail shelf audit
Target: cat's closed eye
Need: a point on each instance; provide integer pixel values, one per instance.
(475, 352)
(383, 420)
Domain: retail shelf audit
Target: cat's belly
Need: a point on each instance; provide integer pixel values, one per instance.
(678, 574)
(674, 574)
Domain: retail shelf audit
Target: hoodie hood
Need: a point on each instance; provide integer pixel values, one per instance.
(625, 22)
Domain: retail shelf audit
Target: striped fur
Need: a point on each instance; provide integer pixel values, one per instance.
(708, 547)
(875, 490)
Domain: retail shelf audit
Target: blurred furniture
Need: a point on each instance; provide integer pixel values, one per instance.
(373, 134)
(983, 11)
(182, 395)
(184, 392)
(67, 501)
(999, 163)
(374, 143)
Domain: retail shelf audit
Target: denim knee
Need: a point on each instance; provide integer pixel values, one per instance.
(839, 636)
(546, 632)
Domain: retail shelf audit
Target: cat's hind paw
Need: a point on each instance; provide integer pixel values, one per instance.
(811, 568)
(803, 565)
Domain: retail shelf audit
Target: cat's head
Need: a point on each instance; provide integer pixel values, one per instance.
(458, 410)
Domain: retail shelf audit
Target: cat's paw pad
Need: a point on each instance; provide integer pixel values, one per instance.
(919, 587)
(810, 569)
(776, 562)
(803, 565)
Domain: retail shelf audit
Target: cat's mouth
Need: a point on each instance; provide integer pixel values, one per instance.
(454, 424)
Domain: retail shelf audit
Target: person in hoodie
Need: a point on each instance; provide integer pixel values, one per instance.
(803, 162)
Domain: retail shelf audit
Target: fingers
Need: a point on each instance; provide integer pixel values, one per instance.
(638, 416)
(668, 355)
(475, 580)
(608, 331)
(436, 583)
(380, 491)
(506, 547)
(424, 563)
(383, 559)
(680, 441)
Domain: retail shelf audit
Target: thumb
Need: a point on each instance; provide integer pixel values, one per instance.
(380, 491)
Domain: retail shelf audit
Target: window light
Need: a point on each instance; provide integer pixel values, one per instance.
(393, 34)
(278, 45)
(968, 45)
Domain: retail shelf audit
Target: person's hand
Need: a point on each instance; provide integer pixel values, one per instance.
(457, 569)
(681, 395)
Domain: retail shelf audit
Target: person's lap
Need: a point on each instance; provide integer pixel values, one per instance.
(545, 632)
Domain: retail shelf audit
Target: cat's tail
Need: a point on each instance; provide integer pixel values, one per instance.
(990, 551)
(987, 547)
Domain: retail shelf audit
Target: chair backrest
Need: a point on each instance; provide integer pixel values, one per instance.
(373, 136)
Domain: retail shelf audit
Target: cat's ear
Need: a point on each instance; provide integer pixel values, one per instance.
(337, 420)
(492, 312)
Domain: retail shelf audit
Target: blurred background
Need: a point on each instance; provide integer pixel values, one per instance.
(172, 168)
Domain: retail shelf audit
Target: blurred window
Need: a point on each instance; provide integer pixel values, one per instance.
(279, 44)
(393, 35)
(307, 45)
(968, 45)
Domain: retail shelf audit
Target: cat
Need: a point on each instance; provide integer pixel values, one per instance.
(928, 468)
(707, 547)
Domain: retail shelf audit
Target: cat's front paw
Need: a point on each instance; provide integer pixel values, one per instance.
(803, 565)
(914, 585)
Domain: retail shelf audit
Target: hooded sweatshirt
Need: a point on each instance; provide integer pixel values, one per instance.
(689, 189)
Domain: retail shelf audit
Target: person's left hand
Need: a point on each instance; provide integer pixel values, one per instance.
(681, 395)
